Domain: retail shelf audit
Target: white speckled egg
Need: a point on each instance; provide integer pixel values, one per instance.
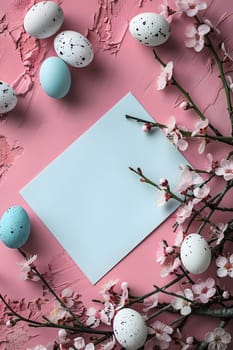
(15, 227)
(195, 253)
(150, 29)
(43, 19)
(73, 48)
(130, 329)
(8, 99)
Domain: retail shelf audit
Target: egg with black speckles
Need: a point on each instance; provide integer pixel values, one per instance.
(74, 48)
(130, 329)
(43, 19)
(15, 227)
(8, 98)
(195, 253)
(150, 28)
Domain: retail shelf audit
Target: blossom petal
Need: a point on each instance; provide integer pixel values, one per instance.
(203, 29)
(190, 31)
(221, 272)
(221, 261)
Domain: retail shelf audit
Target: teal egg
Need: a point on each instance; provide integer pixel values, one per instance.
(15, 227)
(55, 77)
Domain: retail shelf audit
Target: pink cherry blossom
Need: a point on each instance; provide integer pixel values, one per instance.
(190, 7)
(123, 297)
(225, 266)
(182, 304)
(188, 179)
(201, 192)
(218, 339)
(79, 344)
(168, 258)
(150, 302)
(185, 211)
(107, 313)
(200, 129)
(226, 295)
(195, 36)
(212, 164)
(225, 169)
(27, 269)
(58, 314)
(218, 231)
(184, 105)
(107, 289)
(161, 338)
(62, 337)
(163, 198)
(204, 290)
(67, 297)
(166, 11)
(174, 135)
(93, 317)
(146, 127)
(165, 76)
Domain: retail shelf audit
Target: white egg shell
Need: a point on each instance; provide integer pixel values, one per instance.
(195, 253)
(43, 19)
(73, 48)
(8, 99)
(130, 329)
(150, 29)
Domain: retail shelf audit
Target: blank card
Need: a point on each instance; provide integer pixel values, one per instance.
(92, 203)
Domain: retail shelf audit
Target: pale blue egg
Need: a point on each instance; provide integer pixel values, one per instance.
(15, 227)
(55, 77)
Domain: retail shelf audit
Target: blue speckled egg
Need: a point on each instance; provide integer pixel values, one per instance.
(15, 227)
(55, 77)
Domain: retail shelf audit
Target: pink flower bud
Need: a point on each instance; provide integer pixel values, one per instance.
(62, 334)
(146, 127)
(225, 294)
(189, 340)
(184, 105)
(169, 250)
(10, 323)
(163, 182)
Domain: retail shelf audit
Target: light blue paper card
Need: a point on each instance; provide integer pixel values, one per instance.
(89, 199)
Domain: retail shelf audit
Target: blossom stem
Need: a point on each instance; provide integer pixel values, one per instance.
(20, 317)
(152, 124)
(155, 291)
(187, 96)
(186, 274)
(221, 73)
(219, 138)
(164, 291)
(148, 181)
(43, 280)
(160, 311)
(218, 201)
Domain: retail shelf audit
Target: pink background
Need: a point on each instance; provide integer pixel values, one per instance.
(40, 127)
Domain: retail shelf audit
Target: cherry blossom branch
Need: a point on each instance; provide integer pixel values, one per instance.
(219, 138)
(155, 291)
(148, 181)
(43, 280)
(221, 73)
(228, 186)
(192, 104)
